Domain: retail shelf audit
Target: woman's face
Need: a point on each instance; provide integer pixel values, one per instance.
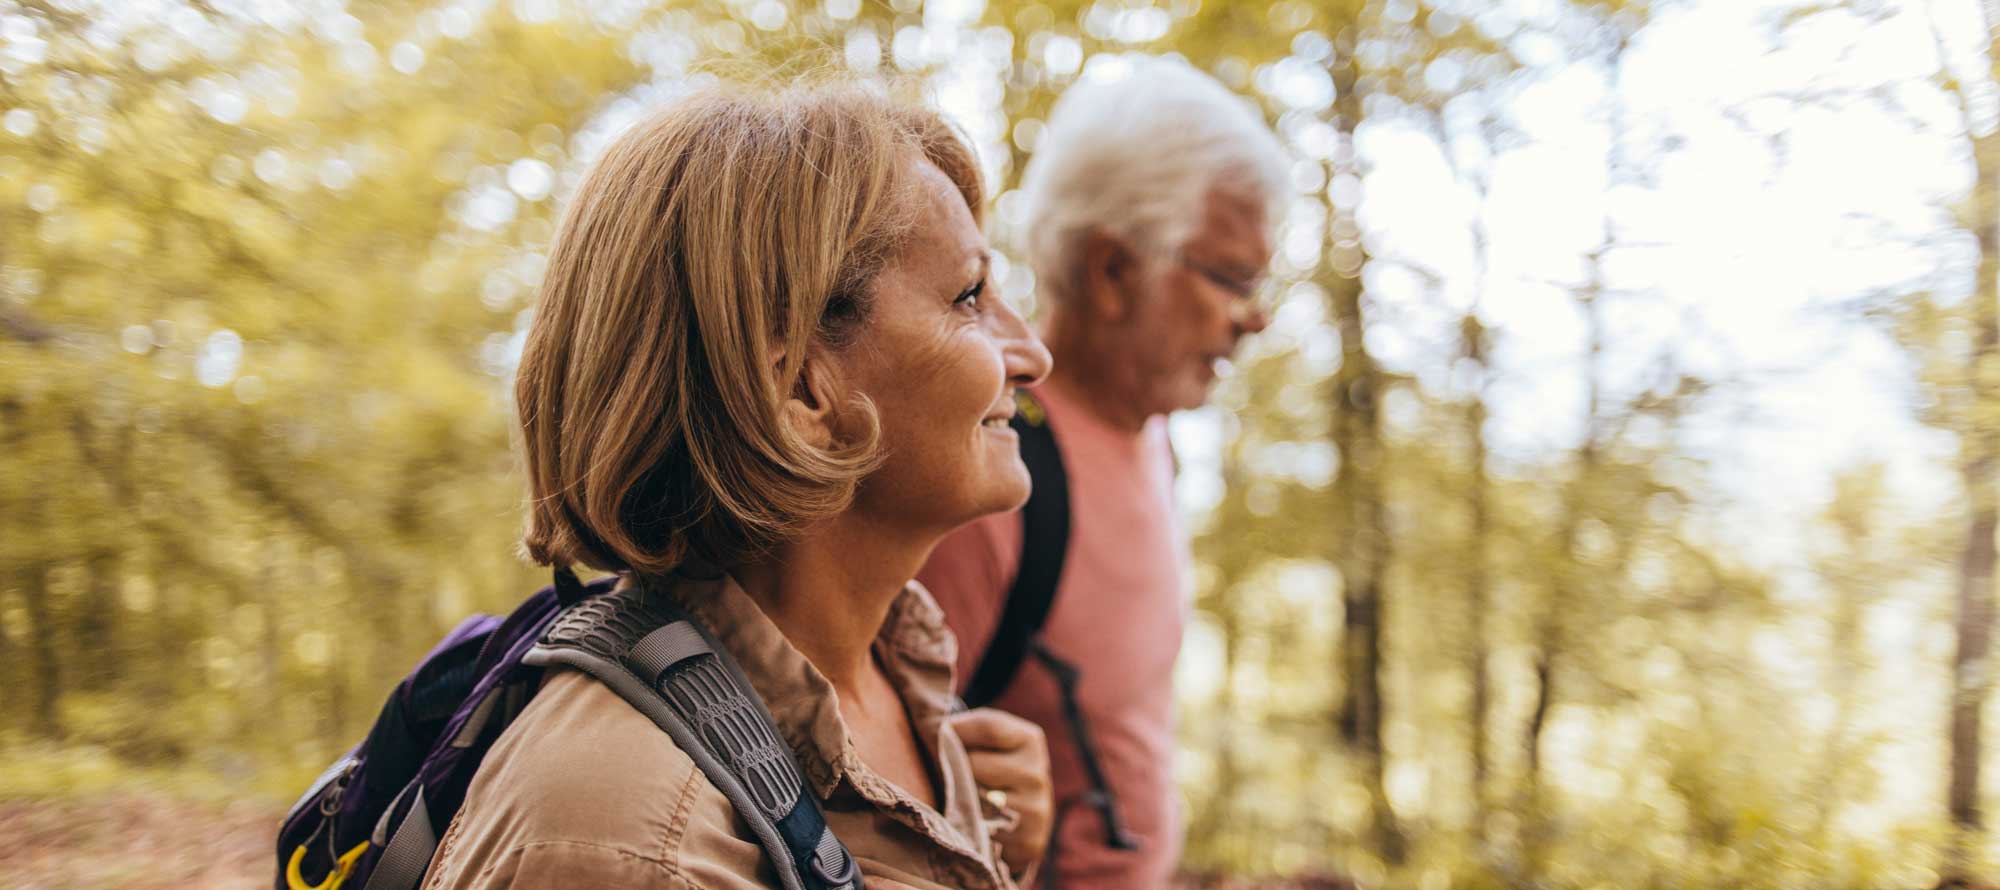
(940, 356)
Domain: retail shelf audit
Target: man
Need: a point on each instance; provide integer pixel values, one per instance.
(1150, 205)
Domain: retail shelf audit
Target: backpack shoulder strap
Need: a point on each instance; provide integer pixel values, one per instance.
(1044, 546)
(666, 665)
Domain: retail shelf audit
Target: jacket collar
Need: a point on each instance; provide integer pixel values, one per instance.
(917, 652)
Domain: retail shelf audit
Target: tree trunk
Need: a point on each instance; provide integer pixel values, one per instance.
(1852, 515)
(9, 683)
(1552, 636)
(1474, 335)
(97, 622)
(1968, 668)
(1363, 549)
(98, 619)
(42, 649)
(1970, 673)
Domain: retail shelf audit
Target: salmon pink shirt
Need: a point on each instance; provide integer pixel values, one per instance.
(1118, 615)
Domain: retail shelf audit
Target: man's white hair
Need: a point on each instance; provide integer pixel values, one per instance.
(1135, 154)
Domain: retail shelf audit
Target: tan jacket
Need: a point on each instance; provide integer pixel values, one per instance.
(583, 791)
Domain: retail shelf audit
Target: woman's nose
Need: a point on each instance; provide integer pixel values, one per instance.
(1033, 363)
(1027, 360)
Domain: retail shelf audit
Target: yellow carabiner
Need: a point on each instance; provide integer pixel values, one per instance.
(334, 878)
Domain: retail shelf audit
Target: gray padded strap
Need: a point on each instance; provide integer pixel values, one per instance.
(648, 701)
(830, 850)
(380, 836)
(469, 733)
(408, 855)
(664, 648)
(831, 858)
(664, 664)
(736, 728)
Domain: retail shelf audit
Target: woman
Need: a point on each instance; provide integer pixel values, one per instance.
(766, 375)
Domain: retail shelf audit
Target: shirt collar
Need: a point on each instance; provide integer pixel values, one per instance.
(917, 652)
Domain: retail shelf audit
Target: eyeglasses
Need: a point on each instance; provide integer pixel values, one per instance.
(1246, 294)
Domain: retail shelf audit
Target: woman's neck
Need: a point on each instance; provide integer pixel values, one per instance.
(829, 592)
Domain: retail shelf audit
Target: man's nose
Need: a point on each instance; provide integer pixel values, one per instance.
(1249, 317)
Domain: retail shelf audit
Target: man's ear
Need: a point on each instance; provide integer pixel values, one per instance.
(808, 410)
(1110, 275)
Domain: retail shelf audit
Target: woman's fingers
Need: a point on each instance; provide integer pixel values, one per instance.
(1009, 754)
(988, 729)
(1010, 771)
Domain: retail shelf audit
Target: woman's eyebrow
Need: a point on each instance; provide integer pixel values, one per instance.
(984, 256)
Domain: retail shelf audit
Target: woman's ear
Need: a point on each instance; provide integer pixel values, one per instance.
(808, 410)
(1110, 270)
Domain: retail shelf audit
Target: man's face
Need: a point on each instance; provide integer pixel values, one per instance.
(1197, 306)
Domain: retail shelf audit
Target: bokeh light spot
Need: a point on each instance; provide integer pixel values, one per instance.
(20, 122)
(406, 58)
(220, 357)
(530, 178)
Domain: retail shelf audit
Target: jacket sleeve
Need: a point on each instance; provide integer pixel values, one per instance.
(562, 864)
(583, 791)
(699, 857)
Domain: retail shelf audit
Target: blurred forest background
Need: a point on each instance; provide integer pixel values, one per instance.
(1612, 505)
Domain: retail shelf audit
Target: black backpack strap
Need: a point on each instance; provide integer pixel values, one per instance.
(569, 589)
(666, 665)
(1044, 545)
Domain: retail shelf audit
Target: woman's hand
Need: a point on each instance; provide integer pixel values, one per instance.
(1010, 763)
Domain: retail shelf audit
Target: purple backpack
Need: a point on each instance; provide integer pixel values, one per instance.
(372, 820)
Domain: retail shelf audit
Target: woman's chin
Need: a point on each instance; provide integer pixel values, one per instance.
(1006, 489)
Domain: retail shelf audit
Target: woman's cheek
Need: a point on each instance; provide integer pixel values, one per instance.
(929, 357)
(968, 373)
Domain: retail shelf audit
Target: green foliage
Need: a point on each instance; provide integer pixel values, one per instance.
(260, 280)
(251, 430)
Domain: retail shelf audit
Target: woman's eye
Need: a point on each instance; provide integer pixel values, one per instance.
(970, 297)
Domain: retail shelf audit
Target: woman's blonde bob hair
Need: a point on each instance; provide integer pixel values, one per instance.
(700, 260)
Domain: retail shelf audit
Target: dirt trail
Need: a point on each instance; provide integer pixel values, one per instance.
(141, 842)
(122, 842)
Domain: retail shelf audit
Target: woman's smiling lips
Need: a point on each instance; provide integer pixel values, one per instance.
(999, 421)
